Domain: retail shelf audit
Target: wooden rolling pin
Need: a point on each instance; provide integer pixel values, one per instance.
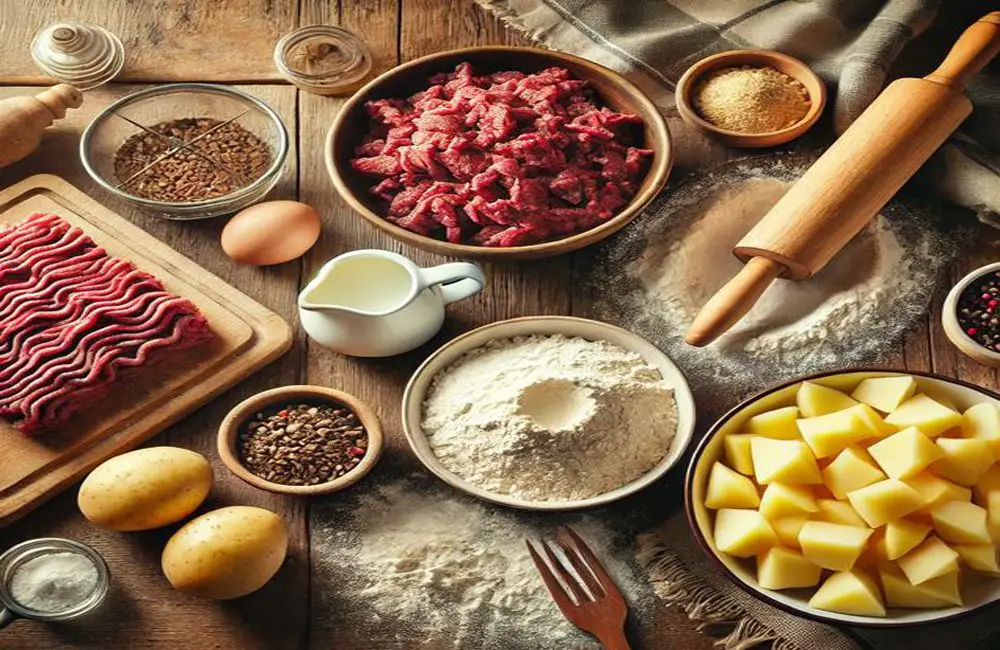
(23, 119)
(852, 180)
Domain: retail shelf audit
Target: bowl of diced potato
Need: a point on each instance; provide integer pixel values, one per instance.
(867, 497)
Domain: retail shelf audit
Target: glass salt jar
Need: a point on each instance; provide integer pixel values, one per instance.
(51, 579)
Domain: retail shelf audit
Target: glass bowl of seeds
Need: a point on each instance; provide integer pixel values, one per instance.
(186, 151)
(300, 440)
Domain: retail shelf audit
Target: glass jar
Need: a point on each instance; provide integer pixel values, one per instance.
(324, 59)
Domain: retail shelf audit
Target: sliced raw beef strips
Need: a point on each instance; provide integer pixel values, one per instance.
(505, 159)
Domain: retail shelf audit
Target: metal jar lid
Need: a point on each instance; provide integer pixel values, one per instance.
(80, 54)
(323, 59)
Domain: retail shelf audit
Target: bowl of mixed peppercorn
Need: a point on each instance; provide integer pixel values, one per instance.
(300, 440)
(971, 315)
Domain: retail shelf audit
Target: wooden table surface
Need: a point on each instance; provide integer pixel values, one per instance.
(231, 41)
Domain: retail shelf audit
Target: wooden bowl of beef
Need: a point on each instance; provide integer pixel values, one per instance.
(506, 161)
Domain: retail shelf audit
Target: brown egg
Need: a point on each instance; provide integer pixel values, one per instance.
(271, 232)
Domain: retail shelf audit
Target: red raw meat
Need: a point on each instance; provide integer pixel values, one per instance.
(505, 159)
(71, 317)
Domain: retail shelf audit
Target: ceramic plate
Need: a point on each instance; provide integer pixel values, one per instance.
(413, 400)
(977, 590)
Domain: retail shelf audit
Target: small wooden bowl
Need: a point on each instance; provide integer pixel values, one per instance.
(954, 331)
(754, 58)
(351, 125)
(230, 428)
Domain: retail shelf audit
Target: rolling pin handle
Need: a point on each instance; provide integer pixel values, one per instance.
(733, 301)
(972, 51)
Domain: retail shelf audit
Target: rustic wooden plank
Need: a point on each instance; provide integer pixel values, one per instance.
(142, 605)
(164, 41)
(376, 21)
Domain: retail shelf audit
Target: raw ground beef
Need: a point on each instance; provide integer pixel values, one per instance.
(506, 159)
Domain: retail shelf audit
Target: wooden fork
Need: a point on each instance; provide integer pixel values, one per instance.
(595, 606)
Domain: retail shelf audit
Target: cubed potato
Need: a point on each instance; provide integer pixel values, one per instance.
(993, 514)
(931, 559)
(982, 422)
(932, 594)
(729, 489)
(928, 415)
(785, 568)
(964, 460)
(961, 522)
(902, 536)
(874, 422)
(815, 399)
(787, 461)
(905, 454)
(838, 512)
(979, 557)
(884, 501)
(788, 529)
(885, 393)
(833, 546)
(743, 533)
(988, 482)
(737, 452)
(936, 490)
(849, 592)
(778, 424)
(829, 434)
(852, 469)
(783, 500)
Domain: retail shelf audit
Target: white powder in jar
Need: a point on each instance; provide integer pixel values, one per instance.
(54, 583)
(550, 418)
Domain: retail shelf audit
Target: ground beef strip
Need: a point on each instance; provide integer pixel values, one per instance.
(505, 159)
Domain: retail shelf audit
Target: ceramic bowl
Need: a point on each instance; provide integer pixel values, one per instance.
(754, 58)
(351, 125)
(230, 428)
(416, 389)
(978, 591)
(949, 320)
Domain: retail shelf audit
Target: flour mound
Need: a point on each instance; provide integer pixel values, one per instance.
(550, 418)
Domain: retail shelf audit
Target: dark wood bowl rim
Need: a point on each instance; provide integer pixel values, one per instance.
(761, 593)
(658, 173)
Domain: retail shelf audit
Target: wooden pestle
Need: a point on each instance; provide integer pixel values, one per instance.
(852, 180)
(22, 119)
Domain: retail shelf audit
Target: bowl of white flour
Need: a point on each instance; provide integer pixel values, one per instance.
(548, 413)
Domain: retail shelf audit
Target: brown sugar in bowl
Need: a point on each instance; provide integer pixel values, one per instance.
(756, 59)
(229, 431)
(351, 124)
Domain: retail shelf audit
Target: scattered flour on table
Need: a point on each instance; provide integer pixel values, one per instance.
(449, 571)
(792, 316)
(550, 418)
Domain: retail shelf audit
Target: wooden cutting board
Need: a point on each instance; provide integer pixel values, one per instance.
(144, 401)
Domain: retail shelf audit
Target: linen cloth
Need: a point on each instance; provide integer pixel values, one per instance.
(853, 45)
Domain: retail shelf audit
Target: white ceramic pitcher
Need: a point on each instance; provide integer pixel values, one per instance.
(374, 303)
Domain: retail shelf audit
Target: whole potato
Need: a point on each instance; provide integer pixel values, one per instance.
(145, 488)
(226, 553)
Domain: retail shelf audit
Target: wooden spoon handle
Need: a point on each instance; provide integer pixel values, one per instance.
(733, 301)
(974, 49)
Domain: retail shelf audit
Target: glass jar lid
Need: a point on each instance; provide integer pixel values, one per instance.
(79, 54)
(323, 59)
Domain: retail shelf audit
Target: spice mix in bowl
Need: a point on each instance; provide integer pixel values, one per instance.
(750, 98)
(970, 316)
(302, 440)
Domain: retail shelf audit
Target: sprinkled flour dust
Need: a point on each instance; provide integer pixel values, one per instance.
(449, 571)
(655, 276)
(549, 418)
